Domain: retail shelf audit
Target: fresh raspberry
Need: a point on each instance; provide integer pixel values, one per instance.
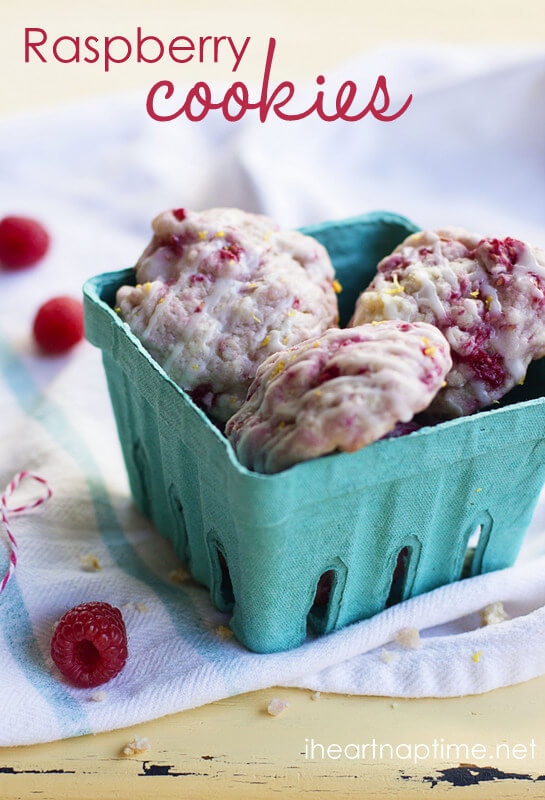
(89, 645)
(23, 242)
(58, 325)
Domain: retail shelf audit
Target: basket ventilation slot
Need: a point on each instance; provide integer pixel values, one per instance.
(399, 577)
(476, 546)
(226, 585)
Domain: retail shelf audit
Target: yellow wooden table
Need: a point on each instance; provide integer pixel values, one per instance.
(488, 746)
(330, 746)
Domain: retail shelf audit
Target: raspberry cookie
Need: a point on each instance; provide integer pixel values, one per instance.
(486, 295)
(339, 391)
(220, 290)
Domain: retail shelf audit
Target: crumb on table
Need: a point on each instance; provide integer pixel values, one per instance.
(136, 746)
(277, 707)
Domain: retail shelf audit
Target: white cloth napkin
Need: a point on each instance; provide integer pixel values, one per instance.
(470, 151)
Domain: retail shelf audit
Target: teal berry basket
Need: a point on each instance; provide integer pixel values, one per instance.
(336, 539)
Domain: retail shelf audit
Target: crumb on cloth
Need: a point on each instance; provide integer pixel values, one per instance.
(493, 614)
(90, 563)
(224, 632)
(409, 638)
(180, 575)
(141, 607)
(389, 656)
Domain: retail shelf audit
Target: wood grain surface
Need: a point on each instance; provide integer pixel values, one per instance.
(235, 749)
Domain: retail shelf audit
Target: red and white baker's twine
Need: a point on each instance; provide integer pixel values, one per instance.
(6, 511)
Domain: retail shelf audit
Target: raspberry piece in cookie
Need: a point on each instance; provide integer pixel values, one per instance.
(220, 290)
(339, 391)
(486, 295)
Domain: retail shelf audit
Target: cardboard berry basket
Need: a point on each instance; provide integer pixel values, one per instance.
(368, 529)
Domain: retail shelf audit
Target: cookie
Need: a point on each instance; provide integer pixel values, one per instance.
(220, 290)
(487, 296)
(338, 392)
